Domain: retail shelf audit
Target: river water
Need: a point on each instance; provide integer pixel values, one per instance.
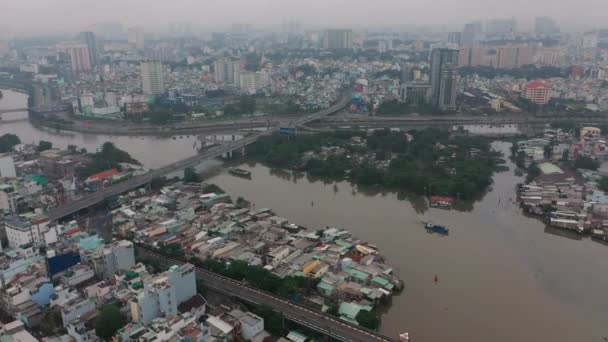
(502, 276)
(152, 152)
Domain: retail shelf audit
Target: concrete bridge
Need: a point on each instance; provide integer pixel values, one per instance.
(135, 182)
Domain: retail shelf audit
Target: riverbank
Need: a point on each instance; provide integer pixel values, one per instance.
(329, 269)
(122, 128)
(424, 162)
(495, 261)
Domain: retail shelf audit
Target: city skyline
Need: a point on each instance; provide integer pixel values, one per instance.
(49, 17)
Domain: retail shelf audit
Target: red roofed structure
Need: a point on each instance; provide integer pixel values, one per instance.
(103, 175)
(538, 92)
(441, 199)
(73, 231)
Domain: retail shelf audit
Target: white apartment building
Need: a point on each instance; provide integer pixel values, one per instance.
(162, 294)
(152, 77)
(21, 231)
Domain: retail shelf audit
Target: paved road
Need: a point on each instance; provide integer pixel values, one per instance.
(455, 120)
(122, 187)
(316, 320)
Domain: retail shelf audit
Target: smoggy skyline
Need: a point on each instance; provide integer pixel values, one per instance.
(43, 16)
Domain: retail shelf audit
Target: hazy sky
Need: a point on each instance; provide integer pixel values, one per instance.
(63, 15)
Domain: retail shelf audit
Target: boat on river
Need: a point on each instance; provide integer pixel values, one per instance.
(436, 228)
(239, 172)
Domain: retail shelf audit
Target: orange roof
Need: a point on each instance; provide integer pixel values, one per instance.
(104, 174)
(73, 231)
(537, 84)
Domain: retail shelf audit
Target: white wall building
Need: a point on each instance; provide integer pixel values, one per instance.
(152, 77)
(8, 198)
(7, 166)
(136, 38)
(163, 293)
(21, 231)
(111, 258)
(76, 309)
(251, 324)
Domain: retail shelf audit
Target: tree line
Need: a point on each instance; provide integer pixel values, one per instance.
(430, 162)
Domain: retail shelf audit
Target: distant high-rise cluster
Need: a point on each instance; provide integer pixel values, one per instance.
(501, 27)
(504, 57)
(152, 77)
(338, 39)
(227, 71)
(88, 38)
(136, 37)
(79, 57)
(471, 33)
(444, 77)
(545, 26)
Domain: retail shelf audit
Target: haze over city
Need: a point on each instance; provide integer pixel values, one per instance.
(297, 171)
(60, 16)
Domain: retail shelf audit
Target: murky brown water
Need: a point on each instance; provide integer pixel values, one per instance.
(150, 151)
(502, 276)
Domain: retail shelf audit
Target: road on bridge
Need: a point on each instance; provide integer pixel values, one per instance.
(316, 320)
(122, 187)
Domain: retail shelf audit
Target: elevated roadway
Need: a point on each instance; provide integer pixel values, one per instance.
(315, 320)
(135, 182)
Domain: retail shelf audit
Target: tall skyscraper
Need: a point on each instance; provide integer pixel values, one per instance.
(471, 33)
(501, 27)
(88, 38)
(136, 37)
(545, 26)
(444, 77)
(455, 38)
(151, 77)
(79, 56)
(227, 71)
(338, 39)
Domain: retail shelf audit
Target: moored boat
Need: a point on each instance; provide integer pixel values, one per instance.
(239, 172)
(435, 228)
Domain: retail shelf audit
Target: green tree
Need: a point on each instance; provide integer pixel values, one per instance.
(368, 319)
(109, 321)
(333, 308)
(603, 183)
(8, 141)
(533, 172)
(51, 322)
(108, 157)
(44, 145)
(587, 163)
(172, 250)
(191, 176)
(208, 188)
(273, 321)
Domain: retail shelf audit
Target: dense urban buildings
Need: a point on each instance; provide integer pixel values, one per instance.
(195, 86)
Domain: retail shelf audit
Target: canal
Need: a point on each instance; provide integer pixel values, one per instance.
(501, 275)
